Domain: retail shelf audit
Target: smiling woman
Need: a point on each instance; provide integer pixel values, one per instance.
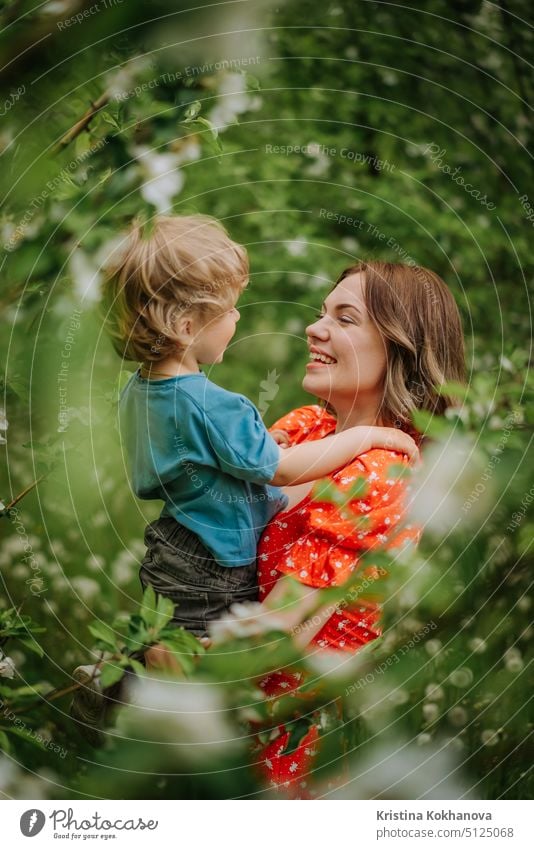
(389, 334)
(386, 339)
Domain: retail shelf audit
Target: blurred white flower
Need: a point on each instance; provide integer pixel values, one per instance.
(109, 251)
(86, 276)
(297, 247)
(4, 424)
(430, 712)
(451, 486)
(434, 691)
(233, 101)
(489, 737)
(477, 645)
(247, 619)
(461, 677)
(423, 739)
(513, 660)
(86, 588)
(338, 665)
(189, 150)
(401, 770)
(457, 716)
(163, 180)
(191, 717)
(399, 696)
(432, 647)
(7, 667)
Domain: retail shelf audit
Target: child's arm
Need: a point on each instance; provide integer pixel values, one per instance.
(312, 460)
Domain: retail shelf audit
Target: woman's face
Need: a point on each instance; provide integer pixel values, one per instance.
(352, 346)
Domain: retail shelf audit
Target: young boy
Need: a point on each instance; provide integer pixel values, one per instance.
(202, 450)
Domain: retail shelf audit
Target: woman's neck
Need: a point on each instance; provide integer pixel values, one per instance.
(358, 412)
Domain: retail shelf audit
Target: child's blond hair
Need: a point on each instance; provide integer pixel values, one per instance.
(163, 269)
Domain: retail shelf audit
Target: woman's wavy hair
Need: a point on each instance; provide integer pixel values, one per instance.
(417, 316)
(171, 265)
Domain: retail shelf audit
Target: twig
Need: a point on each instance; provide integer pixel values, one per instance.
(24, 492)
(84, 122)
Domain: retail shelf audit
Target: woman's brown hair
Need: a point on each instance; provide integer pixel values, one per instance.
(417, 315)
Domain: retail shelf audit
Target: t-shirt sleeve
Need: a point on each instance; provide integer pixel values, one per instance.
(239, 440)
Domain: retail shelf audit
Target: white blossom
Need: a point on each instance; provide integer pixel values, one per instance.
(7, 667)
(3, 426)
(233, 101)
(247, 619)
(86, 276)
(163, 179)
(190, 717)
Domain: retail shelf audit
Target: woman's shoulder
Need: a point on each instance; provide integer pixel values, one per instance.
(379, 466)
(309, 422)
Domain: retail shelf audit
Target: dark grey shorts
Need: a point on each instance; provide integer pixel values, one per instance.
(177, 565)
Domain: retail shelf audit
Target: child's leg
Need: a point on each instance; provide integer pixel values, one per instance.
(177, 565)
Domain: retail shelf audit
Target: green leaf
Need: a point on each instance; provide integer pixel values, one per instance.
(4, 742)
(454, 389)
(104, 634)
(253, 83)
(26, 734)
(32, 645)
(111, 673)
(164, 612)
(137, 666)
(212, 136)
(192, 111)
(148, 607)
(429, 424)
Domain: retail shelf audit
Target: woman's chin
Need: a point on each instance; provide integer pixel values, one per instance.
(316, 386)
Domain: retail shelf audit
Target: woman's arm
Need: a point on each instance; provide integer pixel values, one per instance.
(312, 460)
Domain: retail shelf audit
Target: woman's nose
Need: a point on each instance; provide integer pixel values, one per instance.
(318, 329)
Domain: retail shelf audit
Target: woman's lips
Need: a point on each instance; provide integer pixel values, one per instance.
(313, 364)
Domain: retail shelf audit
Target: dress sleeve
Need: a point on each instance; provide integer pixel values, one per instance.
(306, 423)
(332, 537)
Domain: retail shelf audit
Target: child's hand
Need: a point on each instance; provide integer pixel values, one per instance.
(280, 437)
(394, 440)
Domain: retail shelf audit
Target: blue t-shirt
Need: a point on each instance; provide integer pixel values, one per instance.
(207, 454)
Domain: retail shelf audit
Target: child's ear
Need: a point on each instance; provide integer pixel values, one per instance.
(184, 328)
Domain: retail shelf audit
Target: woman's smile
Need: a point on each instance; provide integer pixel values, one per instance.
(319, 358)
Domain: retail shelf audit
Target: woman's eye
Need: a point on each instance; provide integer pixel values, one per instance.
(346, 319)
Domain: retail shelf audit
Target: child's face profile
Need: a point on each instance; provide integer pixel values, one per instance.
(210, 339)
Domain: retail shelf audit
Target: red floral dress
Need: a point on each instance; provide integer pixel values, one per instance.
(318, 543)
